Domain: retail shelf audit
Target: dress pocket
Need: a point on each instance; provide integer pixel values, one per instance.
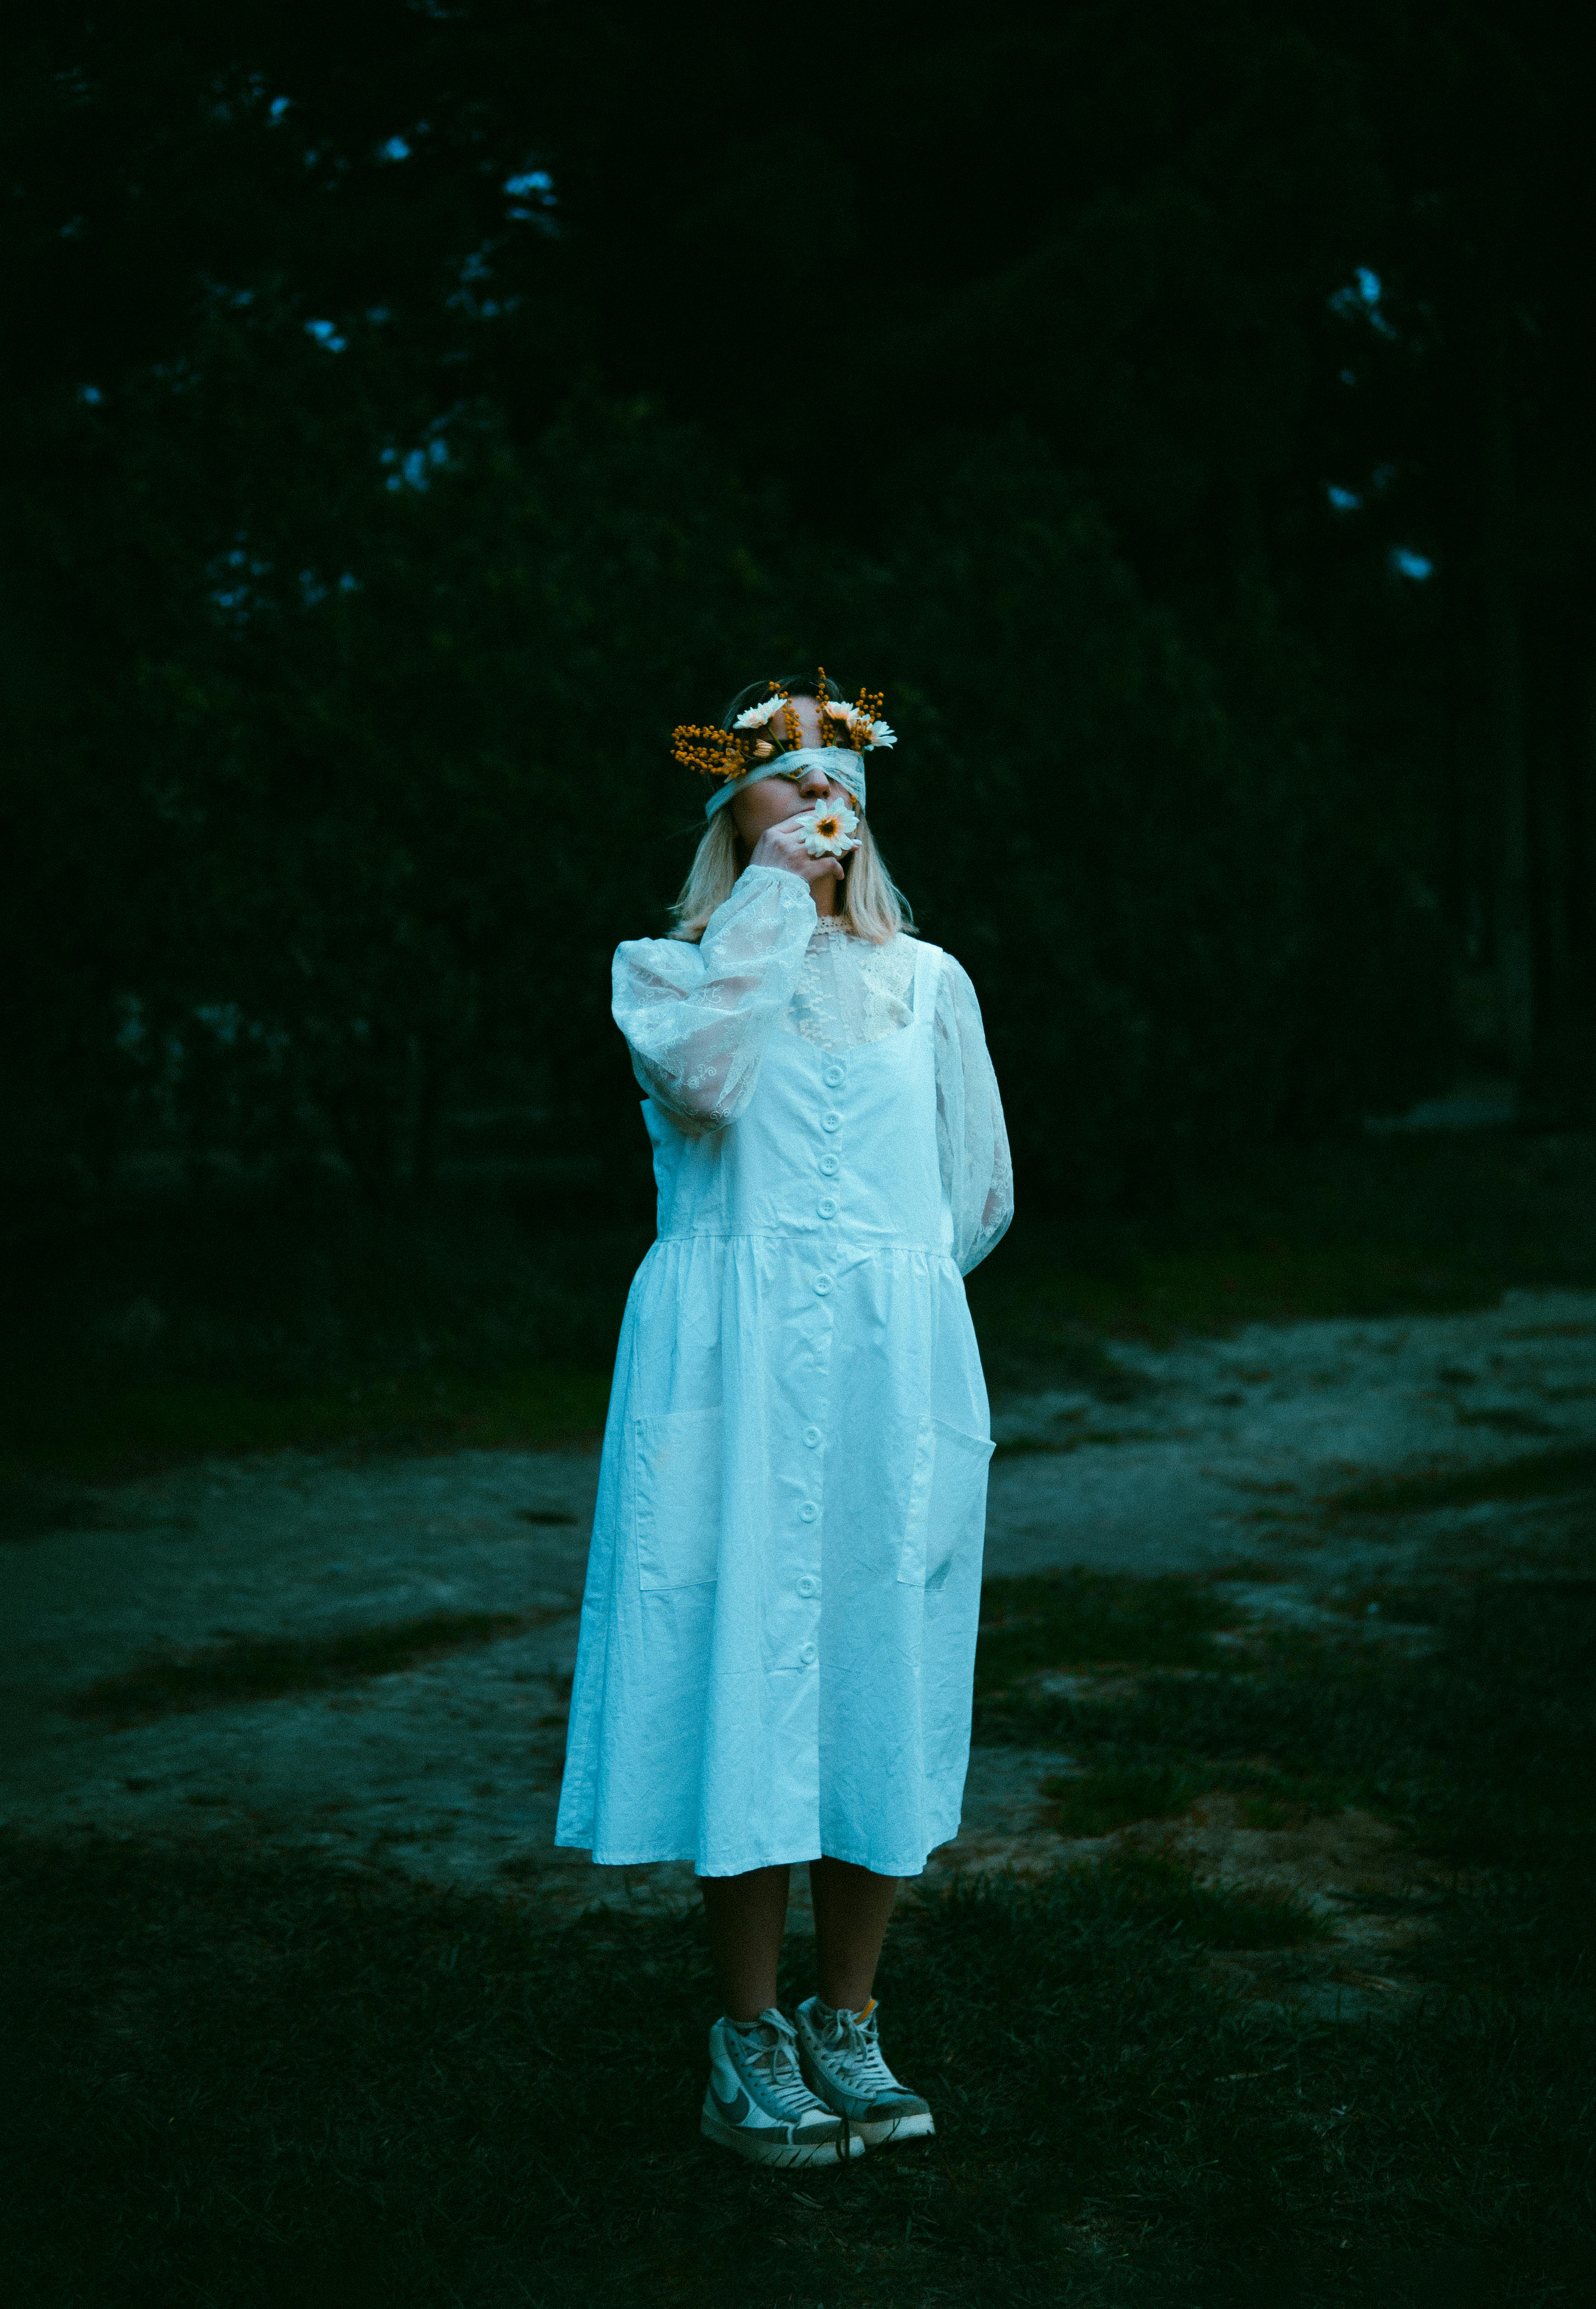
(947, 1502)
(675, 1491)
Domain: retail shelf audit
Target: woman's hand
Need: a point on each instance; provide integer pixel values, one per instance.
(783, 846)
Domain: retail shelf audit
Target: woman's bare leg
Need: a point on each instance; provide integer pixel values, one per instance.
(747, 1916)
(851, 1907)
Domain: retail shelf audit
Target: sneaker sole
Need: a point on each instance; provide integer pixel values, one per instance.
(848, 2143)
(889, 2130)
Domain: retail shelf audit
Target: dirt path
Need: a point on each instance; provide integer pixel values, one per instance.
(1222, 1458)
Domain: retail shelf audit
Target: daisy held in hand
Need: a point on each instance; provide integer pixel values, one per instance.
(779, 1624)
(827, 829)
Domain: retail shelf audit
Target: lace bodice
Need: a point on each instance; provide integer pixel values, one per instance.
(698, 1020)
(850, 991)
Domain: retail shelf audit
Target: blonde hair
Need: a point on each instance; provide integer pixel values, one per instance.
(873, 905)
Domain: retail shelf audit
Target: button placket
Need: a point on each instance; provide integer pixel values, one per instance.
(807, 1585)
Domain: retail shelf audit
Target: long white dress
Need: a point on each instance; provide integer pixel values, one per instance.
(778, 1632)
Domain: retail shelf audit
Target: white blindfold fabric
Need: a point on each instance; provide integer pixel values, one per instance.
(847, 768)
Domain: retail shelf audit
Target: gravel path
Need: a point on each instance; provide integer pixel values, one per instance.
(1221, 1458)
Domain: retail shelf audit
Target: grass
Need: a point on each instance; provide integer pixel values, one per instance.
(271, 1667)
(1206, 1915)
(240, 2081)
(100, 1433)
(149, 1326)
(1059, 1446)
(1422, 1222)
(103, 1431)
(1064, 1619)
(1557, 1474)
(1470, 1742)
(149, 1329)
(1096, 1800)
(235, 2079)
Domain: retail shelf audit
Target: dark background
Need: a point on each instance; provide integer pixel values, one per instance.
(1183, 415)
(412, 412)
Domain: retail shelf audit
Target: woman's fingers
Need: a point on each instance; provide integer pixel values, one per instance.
(782, 845)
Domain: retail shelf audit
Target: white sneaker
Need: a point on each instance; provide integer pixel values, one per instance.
(758, 2103)
(842, 2059)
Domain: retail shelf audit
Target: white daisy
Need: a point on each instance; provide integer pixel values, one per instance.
(868, 735)
(756, 716)
(828, 829)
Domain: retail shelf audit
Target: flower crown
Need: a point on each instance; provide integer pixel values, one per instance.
(753, 738)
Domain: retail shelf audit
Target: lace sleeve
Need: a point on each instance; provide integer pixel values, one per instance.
(696, 1018)
(971, 1137)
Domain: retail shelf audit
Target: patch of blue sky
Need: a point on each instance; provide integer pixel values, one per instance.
(532, 199)
(412, 465)
(132, 1032)
(224, 1019)
(1361, 300)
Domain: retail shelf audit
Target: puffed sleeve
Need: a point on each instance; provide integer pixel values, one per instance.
(697, 1018)
(972, 1137)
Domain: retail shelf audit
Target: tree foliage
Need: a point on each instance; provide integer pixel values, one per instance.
(414, 413)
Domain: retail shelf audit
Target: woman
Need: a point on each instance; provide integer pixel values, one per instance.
(778, 1634)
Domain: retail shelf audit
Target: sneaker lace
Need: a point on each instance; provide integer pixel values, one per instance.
(775, 2057)
(861, 2048)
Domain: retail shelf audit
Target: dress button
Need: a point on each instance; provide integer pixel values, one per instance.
(822, 1285)
(812, 1438)
(809, 1656)
(828, 1208)
(808, 1584)
(833, 1121)
(832, 1078)
(808, 1511)
(829, 1166)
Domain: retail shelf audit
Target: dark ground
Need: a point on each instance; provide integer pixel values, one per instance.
(152, 1325)
(234, 2081)
(234, 2078)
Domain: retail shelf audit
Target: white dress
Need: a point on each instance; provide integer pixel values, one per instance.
(778, 1632)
